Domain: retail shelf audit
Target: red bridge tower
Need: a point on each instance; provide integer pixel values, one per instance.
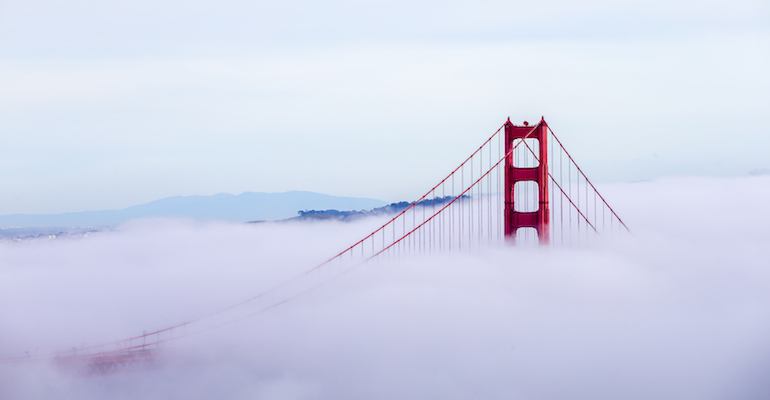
(540, 219)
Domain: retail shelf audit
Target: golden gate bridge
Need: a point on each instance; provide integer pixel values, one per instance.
(520, 187)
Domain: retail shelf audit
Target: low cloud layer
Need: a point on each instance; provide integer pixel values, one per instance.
(680, 311)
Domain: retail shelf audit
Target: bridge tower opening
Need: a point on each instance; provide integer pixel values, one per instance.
(517, 216)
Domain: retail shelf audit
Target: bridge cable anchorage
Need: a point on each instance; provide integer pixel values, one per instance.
(453, 223)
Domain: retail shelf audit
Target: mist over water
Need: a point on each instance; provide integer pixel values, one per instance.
(679, 311)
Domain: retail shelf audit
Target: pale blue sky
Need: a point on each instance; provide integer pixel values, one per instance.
(109, 104)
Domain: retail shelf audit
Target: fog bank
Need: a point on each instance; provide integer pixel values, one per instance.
(679, 311)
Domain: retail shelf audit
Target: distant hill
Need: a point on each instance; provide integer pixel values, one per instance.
(249, 206)
(386, 210)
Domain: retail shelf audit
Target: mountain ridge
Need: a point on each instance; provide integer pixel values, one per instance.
(247, 206)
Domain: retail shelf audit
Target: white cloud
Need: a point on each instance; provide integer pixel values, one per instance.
(680, 311)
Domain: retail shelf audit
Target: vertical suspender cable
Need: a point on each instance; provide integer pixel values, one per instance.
(481, 186)
(442, 228)
(500, 194)
(490, 181)
(452, 214)
(432, 226)
(470, 208)
(561, 198)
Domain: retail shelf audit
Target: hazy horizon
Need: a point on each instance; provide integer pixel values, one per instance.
(107, 105)
(244, 207)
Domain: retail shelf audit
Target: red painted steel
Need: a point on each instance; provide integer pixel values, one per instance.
(540, 219)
